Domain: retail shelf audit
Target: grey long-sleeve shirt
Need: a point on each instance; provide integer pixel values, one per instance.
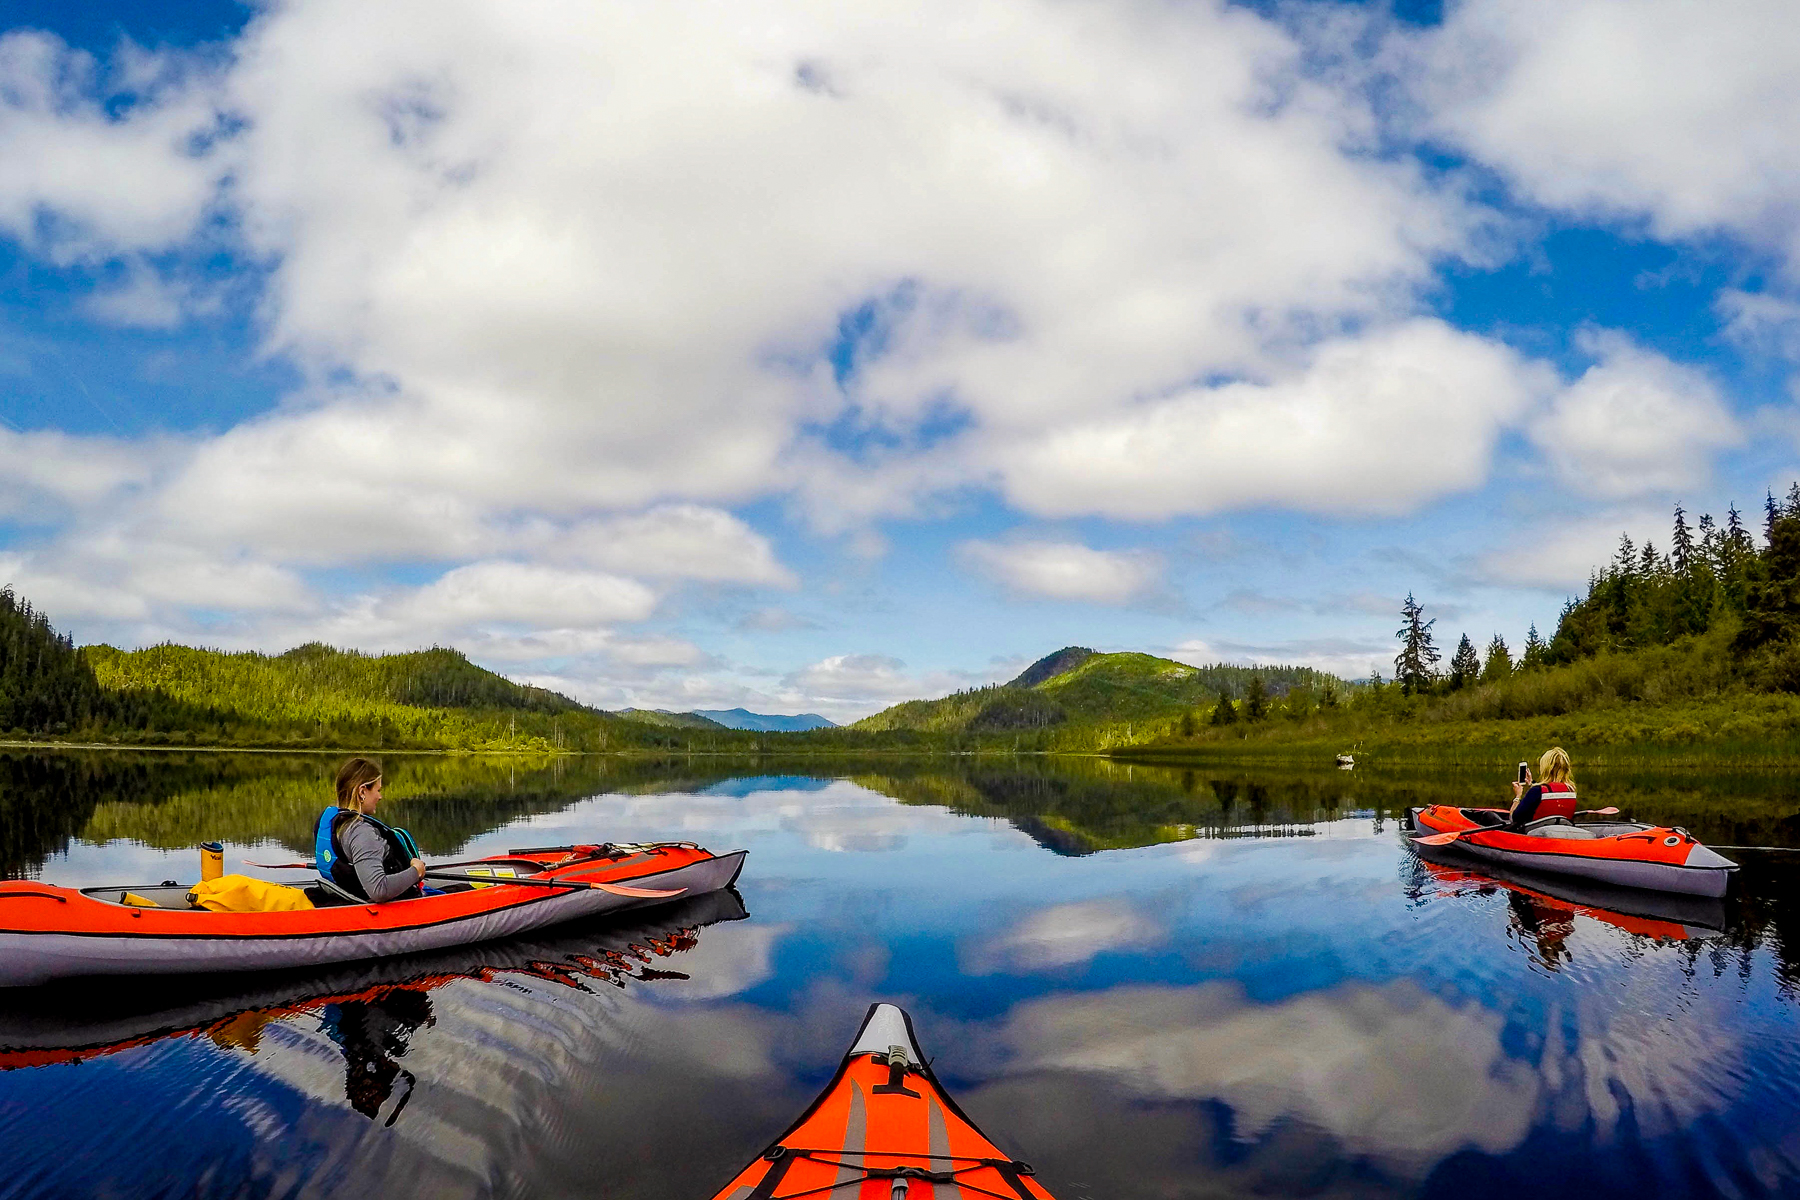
(366, 849)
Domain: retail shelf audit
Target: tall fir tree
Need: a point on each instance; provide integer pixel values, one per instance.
(1465, 664)
(1499, 665)
(1683, 542)
(1415, 667)
(1534, 657)
(1256, 699)
(1224, 712)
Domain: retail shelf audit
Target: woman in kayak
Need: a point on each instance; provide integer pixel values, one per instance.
(1553, 797)
(359, 853)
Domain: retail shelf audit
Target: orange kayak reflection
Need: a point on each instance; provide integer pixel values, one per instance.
(1544, 907)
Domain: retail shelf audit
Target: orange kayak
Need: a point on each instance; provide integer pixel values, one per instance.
(884, 1129)
(1622, 853)
(49, 933)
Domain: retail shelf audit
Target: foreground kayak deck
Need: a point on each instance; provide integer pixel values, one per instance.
(49, 933)
(1622, 853)
(882, 1129)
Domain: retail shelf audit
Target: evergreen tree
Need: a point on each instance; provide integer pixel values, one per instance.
(1328, 697)
(1683, 542)
(46, 686)
(1256, 700)
(1534, 656)
(1225, 712)
(1499, 661)
(1415, 667)
(1465, 664)
(1771, 510)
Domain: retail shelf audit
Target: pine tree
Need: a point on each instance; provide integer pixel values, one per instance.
(1415, 667)
(1771, 511)
(1534, 657)
(1683, 541)
(1499, 661)
(1328, 697)
(1465, 664)
(1256, 700)
(1225, 712)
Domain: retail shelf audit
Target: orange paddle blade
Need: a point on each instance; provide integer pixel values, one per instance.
(619, 889)
(1439, 839)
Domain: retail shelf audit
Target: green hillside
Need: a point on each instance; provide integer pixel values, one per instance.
(1076, 686)
(314, 695)
(668, 720)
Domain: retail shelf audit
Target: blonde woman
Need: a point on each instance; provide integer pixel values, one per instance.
(1553, 797)
(358, 853)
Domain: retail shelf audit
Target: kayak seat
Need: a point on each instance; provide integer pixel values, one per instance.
(1557, 827)
(325, 895)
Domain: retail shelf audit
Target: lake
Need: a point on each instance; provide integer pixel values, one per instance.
(1146, 981)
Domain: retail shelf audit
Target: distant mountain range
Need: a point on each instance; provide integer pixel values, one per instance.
(728, 718)
(739, 718)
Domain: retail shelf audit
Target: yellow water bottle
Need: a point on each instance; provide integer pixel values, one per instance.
(212, 860)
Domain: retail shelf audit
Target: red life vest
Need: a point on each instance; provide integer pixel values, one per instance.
(1557, 800)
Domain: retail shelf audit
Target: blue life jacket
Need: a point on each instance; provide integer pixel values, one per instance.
(328, 852)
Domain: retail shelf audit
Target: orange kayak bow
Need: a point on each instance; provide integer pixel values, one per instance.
(884, 1129)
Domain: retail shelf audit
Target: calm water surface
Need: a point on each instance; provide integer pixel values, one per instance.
(1147, 982)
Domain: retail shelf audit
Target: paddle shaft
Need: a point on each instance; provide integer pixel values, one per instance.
(569, 884)
(573, 885)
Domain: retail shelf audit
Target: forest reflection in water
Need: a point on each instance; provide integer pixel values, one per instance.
(1148, 980)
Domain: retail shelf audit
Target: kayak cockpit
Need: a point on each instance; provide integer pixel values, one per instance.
(175, 896)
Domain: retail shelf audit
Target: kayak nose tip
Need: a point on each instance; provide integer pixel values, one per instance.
(1700, 856)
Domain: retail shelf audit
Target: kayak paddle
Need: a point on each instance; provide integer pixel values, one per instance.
(617, 889)
(1444, 839)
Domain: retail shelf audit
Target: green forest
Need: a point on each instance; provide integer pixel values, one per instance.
(1692, 651)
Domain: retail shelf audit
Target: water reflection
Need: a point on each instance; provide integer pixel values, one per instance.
(1147, 981)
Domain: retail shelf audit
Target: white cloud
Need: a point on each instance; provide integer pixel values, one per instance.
(1559, 555)
(686, 541)
(1677, 112)
(524, 594)
(70, 472)
(1762, 321)
(1634, 423)
(81, 183)
(1066, 570)
(575, 275)
(1376, 424)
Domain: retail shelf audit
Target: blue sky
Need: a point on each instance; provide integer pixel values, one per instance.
(815, 359)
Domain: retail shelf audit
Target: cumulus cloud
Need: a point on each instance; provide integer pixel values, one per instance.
(1634, 423)
(686, 541)
(1375, 424)
(565, 297)
(1561, 554)
(1677, 113)
(1065, 570)
(66, 154)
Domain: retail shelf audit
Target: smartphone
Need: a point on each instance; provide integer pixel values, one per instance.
(1524, 772)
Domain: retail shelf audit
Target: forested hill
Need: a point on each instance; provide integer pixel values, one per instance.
(1077, 685)
(45, 683)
